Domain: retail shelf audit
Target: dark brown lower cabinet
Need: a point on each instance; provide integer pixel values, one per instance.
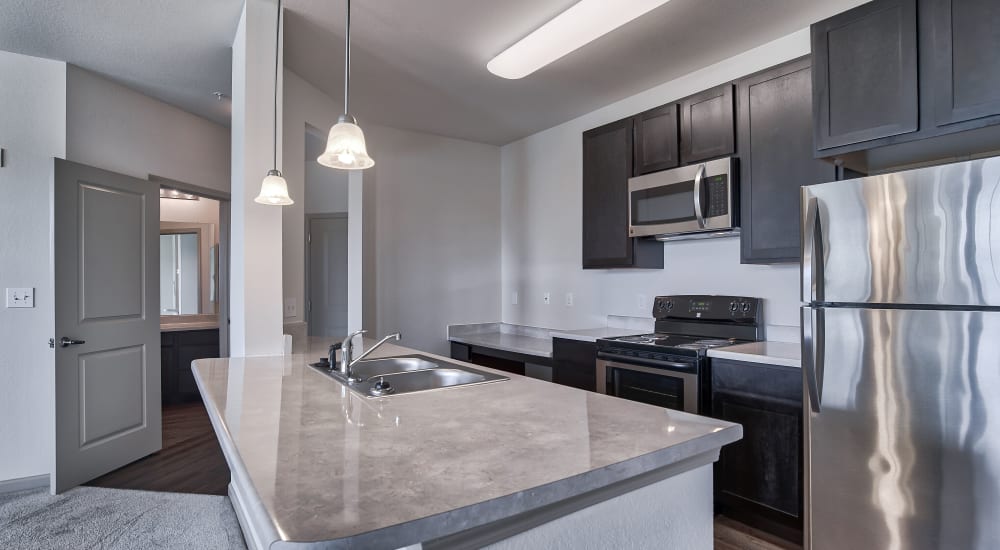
(177, 351)
(758, 480)
(574, 363)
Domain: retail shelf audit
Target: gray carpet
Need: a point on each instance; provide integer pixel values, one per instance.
(92, 517)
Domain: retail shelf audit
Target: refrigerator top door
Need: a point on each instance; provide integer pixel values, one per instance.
(903, 446)
(923, 237)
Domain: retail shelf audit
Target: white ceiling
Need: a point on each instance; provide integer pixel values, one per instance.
(179, 51)
(418, 65)
(422, 64)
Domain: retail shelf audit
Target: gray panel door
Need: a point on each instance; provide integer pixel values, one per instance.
(929, 236)
(328, 276)
(107, 299)
(903, 429)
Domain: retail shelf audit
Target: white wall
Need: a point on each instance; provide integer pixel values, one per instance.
(325, 189)
(255, 256)
(200, 211)
(431, 223)
(33, 131)
(437, 211)
(116, 128)
(542, 176)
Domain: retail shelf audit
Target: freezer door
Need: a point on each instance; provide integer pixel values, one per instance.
(928, 237)
(902, 429)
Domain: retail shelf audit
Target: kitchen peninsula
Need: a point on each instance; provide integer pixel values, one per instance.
(519, 463)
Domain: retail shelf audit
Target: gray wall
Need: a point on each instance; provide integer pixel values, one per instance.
(33, 131)
(116, 128)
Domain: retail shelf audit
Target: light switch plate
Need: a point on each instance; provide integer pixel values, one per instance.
(20, 297)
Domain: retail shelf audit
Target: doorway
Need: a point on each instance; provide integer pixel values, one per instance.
(326, 274)
(112, 367)
(326, 247)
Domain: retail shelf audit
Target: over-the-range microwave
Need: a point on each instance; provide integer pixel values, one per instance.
(696, 201)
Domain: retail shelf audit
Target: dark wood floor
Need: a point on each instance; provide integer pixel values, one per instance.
(733, 535)
(191, 460)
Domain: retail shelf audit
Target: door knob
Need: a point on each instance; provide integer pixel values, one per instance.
(66, 342)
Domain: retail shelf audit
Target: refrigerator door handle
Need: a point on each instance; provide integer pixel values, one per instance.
(813, 353)
(812, 251)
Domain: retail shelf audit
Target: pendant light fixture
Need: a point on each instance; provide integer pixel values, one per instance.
(345, 146)
(274, 189)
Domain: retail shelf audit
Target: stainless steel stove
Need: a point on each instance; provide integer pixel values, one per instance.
(669, 367)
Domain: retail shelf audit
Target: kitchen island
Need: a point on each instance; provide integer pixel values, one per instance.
(519, 463)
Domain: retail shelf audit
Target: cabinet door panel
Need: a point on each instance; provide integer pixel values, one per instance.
(966, 76)
(707, 125)
(574, 363)
(865, 73)
(657, 140)
(776, 159)
(763, 467)
(607, 165)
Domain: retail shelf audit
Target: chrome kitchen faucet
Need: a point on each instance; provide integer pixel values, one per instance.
(347, 359)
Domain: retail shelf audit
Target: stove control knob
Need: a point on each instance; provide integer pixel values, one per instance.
(659, 304)
(732, 306)
(670, 305)
(746, 307)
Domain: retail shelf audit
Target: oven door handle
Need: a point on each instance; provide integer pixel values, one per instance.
(629, 362)
(699, 212)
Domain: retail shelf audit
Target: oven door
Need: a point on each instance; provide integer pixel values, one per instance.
(690, 199)
(656, 386)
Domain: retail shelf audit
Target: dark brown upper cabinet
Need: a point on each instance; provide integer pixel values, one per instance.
(657, 140)
(966, 71)
(776, 159)
(707, 125)
(865, 73)
(607, 166)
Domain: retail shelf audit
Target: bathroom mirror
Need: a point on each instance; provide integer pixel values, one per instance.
(188, 269)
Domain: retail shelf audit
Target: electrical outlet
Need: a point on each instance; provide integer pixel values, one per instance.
(20, 297)
(569, 299)
(547, 298)
(291, 308)
(640, 302)
(513, 298)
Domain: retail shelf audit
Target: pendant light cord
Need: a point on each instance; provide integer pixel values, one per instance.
(277, 49)
(347, 59)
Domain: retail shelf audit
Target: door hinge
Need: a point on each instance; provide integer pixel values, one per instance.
(309, 238)
(52, 343)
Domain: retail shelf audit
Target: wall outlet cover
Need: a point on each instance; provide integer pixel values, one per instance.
(513, 298)
(569, 299)
(20, 297)
(547, 298)
(291, 308)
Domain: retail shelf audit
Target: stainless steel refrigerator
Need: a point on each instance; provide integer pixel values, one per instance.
(901, 360)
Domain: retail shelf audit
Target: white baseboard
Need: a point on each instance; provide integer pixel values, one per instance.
(24, 483)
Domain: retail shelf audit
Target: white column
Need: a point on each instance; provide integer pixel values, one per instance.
(255, 289)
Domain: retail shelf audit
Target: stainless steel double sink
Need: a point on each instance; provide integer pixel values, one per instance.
(408, 374)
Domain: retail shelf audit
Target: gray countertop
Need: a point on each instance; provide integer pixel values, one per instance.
(527, 340)
(773, 353)
(328, 465)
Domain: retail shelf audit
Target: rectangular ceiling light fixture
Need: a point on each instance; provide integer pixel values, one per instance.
(581, 24)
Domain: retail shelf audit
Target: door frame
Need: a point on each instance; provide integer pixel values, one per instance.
(307, 237)
(225, 232)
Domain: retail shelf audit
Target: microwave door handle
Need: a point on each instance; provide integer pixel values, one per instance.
(698, 211)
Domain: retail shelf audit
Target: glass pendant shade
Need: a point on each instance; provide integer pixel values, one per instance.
(345, 147)
(274, 190)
